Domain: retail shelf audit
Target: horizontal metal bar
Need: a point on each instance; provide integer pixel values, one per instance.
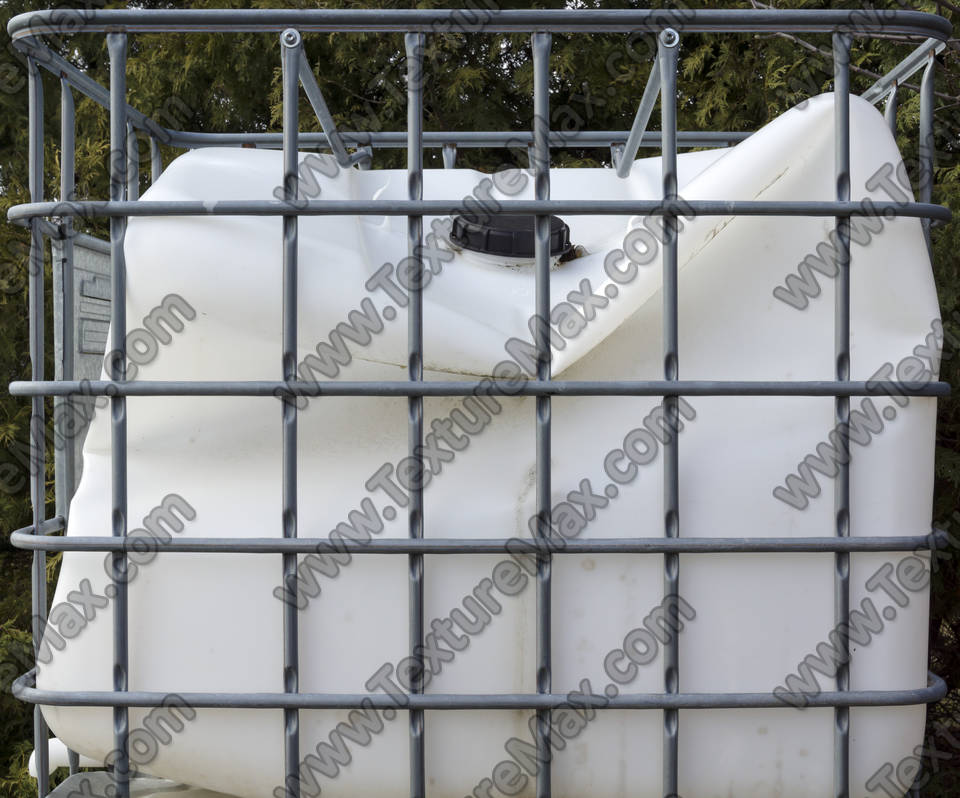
(24, 539)
(858, 22)
(913, 63)
(24, 690)
(464, 139)
(401, 388)
(396, 207)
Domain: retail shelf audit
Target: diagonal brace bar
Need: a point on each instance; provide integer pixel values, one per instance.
(909, 66)
(319, 105)
(640, 121)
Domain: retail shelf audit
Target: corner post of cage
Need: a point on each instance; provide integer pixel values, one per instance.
(926, 148)
(668, 45)
(291, 46)
(841, 69)
(117, 365)
(37, 424)
(63, 406)
(651, 91)
(540, 160)
(413, 45)
(890, 109)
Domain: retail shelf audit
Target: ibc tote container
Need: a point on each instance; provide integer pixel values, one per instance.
(438, 482)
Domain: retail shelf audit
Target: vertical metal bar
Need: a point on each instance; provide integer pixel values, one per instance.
(650, 93)
(541, 169)
(890, 109)
(117, 48)
(414, 43)
(133, 164)
(449, 156)
(156, 160)
(667, 48)
(841, 70)
(291, 48)
(38, 441)
(65, 404)
(926, 138)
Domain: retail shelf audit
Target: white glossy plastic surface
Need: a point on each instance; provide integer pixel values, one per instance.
(212, 623)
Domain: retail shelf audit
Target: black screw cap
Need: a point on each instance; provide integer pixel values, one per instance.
(507, 235)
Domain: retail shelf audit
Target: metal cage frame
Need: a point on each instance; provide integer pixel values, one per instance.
(27, 31)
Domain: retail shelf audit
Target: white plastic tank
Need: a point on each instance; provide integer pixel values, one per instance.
(205, 622)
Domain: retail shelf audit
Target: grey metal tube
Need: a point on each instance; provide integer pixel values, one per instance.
(117, 49)
(934, 691)
(926, 138)
(890, 110)
(861, 23)
(667, 50)
(63, 406)
(133, 164)
(841, 67)
(640, 121)
(26, 539)
(156, 160)
(469, 387)
(541, 43)
(413, 44)
(67, 189)
(449, 155)
(903, 71)
(319, 105)
(37, 423)
(393, 139)
(616, 152)
(291, 47)
(583, 207)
